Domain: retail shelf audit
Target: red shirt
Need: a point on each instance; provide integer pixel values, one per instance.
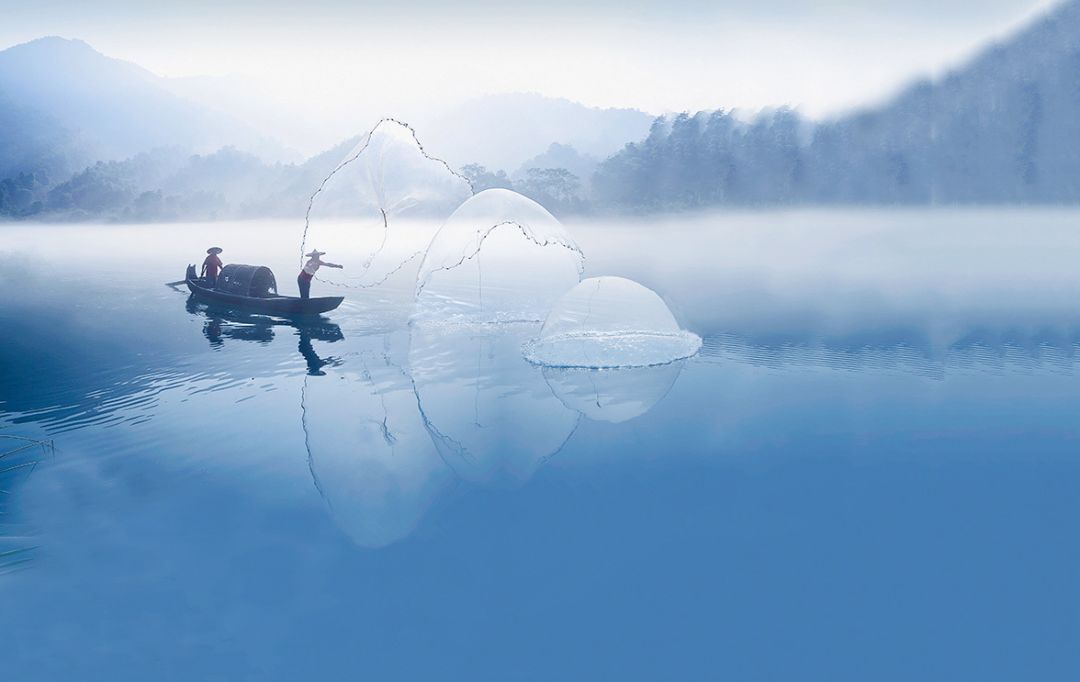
(212, 264)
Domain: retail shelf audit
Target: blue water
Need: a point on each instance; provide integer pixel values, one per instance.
(870, 471)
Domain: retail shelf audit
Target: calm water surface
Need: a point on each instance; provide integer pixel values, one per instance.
(870, 472)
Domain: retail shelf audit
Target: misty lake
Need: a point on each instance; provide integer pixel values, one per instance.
(870, 471)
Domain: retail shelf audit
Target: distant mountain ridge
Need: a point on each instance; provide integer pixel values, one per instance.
(84, 135)
(114, 108)
(561, 156)
(1003, 128)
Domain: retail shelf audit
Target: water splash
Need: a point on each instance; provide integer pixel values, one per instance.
(365, 204)
(613, 395)
(500, 257)
(607, 322)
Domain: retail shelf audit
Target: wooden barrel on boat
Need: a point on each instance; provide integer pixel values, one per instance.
(255, 281)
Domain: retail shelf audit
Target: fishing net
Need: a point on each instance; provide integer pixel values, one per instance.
(375, 212)
(611, 322)
(370, 456)
(500, 257)
(612, 395)
(489, 412)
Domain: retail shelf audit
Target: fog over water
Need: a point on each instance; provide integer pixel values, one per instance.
(662, 341)
(880, 426)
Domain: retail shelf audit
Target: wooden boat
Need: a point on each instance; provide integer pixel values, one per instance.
(254, 288)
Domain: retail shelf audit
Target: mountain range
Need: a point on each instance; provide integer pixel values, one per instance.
(1002, 128)
(96, 108)
(86, 136)
(504, 131)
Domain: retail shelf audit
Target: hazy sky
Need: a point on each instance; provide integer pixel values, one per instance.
(819, 55)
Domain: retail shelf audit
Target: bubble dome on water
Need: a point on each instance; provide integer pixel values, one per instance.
(611, 322)
(500, 257)
(387, 179)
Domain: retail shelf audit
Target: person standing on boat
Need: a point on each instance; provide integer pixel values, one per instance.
(303, 280)
(212, 266)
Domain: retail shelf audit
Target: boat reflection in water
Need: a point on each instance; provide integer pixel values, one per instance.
(222, 323)
(415, 413)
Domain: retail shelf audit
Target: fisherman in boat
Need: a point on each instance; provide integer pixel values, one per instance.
(212, 266)
(303, 280)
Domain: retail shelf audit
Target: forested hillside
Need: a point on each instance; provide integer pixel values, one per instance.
(1005, 128)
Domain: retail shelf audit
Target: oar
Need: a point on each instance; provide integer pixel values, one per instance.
(176, 284)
